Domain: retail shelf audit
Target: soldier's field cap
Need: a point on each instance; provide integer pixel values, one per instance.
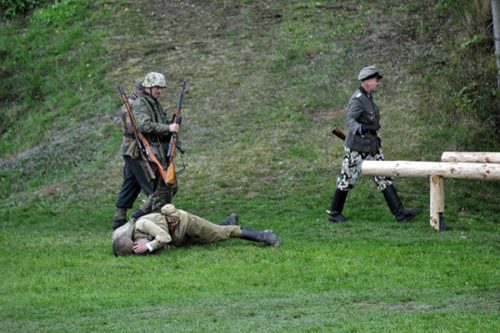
(369, 72)
(168, 209)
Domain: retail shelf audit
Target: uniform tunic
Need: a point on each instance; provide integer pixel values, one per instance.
(191, 229)
(362, 141)
(134, 176)
(153, 123)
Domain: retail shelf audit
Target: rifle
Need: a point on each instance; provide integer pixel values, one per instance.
(145, 150)
(177, 118)
(338, 132)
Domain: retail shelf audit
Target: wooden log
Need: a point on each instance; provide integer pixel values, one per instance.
(483, 171)
(474, 157)
(437, 202)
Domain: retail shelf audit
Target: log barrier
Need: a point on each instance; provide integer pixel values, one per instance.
(454, 165)
(472, 157)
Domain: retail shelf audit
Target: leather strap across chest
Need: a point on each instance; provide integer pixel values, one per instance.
(172, 223)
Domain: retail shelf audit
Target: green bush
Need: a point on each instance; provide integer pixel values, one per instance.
(463, 72)
(11, 8)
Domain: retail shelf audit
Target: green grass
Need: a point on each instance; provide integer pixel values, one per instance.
(365, 276)
(266, 82)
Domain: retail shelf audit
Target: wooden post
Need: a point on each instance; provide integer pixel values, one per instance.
(437, 203)
(495, 12)
(436, 171)
(474, 157)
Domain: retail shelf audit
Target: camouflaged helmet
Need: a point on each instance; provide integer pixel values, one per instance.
(154, 79)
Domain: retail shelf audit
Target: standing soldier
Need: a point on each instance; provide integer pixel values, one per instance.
(153, 123)
(362, 143)
(134, 177)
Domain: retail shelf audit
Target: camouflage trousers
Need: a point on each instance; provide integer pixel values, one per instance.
(162, 194)
(351, 170)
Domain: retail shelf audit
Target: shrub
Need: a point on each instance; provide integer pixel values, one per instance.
(11, 8)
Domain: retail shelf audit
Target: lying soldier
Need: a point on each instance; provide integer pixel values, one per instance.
(176, 227)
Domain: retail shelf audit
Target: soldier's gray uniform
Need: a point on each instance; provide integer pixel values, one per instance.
(363, 143)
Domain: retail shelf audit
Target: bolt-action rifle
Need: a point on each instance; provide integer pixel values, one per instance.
(145, 150)
(177, 118)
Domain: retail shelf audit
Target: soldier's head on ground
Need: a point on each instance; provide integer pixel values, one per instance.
(123, 246)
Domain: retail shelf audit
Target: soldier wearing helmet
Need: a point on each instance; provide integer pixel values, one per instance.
(363, 143)
(152, 121)
(134, 177)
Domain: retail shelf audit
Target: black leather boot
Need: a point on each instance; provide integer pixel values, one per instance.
(335, 212)
(396, 206)
(120, 217)
(266, 236)
(231, 220)
(118, 223)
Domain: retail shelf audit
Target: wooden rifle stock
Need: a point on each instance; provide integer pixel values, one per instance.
(338, 133)
(145, 150)
(173, 139)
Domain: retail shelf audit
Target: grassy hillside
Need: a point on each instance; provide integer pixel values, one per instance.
(267, 80)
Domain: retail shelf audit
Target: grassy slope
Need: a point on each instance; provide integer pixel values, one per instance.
(266, 82)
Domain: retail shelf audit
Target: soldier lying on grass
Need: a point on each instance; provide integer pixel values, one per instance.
(176, 227)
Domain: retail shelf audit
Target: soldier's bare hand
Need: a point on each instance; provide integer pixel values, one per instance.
(140, 246)
(174, 127)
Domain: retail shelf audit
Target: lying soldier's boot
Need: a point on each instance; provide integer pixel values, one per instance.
(266, 236)
(231, 220)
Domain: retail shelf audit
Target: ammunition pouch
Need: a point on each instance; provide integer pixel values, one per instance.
(133, 150)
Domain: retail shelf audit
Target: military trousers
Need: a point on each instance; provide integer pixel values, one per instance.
(134, 180)
(351, 170)
(201, 231)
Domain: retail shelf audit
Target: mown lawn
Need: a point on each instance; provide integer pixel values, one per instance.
(370, 275)
(267, 80)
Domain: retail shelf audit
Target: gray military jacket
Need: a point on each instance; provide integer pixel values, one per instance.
(363, 122)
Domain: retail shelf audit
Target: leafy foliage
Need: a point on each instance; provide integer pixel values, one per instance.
(11, 8)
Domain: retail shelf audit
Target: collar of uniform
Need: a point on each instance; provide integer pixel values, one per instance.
(364, 92)
(150, 98)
